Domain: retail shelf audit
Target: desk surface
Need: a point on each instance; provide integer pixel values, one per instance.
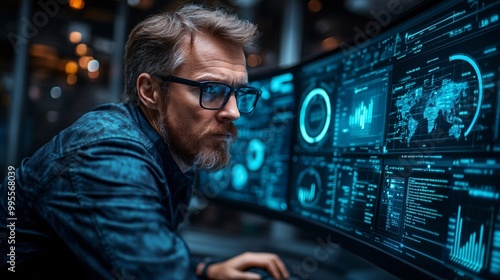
(304, 259)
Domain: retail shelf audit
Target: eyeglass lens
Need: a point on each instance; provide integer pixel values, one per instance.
(215, 95)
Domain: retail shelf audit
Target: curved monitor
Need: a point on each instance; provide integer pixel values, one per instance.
(390, 145)
(396, 146)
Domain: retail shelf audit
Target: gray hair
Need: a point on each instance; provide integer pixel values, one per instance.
(154, 45)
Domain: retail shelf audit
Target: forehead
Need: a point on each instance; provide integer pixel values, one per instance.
(207, 55)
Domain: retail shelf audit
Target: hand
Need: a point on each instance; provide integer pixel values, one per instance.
(235, 267)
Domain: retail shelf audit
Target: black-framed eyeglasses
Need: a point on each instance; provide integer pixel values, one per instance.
(214, 95)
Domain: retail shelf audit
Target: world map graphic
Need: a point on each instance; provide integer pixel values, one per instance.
(417, 105)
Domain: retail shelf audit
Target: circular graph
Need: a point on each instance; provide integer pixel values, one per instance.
(220, 178)
(308, 187)
(315, 116)
(474, 65)
(239, 176)
(255, 154)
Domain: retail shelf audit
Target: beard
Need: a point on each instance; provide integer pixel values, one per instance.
(190, 148)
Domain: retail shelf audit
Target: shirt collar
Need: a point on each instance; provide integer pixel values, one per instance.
(171, 170)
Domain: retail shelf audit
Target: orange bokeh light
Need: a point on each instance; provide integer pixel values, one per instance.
(254, 60)
(330, 43)
(71, 79)
(84, 61)
(314, 5)
(94, 75)
(75, 37)
(81, 49)
(77, 4)
(71, 67)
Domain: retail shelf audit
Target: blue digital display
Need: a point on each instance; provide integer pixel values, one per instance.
(397, 143)
(441, 104)
(340, 192)
(443, 211)
(361, 112)
(393, 145)
(258, 172)
(315, 117)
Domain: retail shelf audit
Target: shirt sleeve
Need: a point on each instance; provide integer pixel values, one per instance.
(116, 214)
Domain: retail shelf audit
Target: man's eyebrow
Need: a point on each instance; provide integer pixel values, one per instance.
(221, 79)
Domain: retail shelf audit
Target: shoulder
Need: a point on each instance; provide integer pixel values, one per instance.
(106, 144)
(108, 123)
(108, 131)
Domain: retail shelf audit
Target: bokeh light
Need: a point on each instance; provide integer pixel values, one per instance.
(76, 4)
(75, 37)
(93, 66)
(71, 67)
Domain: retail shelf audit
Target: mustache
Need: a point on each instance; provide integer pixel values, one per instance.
(227, 128)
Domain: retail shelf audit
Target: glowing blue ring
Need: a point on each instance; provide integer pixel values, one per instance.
(473, 63)
(239, 176)
(321, 92)
(255, 147)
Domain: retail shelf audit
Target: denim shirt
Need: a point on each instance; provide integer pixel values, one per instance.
(101, 200)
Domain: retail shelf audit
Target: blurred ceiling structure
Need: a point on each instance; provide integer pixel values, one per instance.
(73, 46)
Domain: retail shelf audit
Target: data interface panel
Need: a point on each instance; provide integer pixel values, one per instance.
(397, 141)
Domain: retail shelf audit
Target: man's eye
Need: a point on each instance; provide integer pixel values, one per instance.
(210, 89)
(215, 89)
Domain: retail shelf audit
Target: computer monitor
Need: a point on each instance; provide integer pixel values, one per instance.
(390, 145)
(257, 176)
(396, 150)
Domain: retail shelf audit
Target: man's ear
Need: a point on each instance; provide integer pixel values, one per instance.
(149, 91)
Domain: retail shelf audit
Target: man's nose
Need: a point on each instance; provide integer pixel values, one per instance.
(230, 110)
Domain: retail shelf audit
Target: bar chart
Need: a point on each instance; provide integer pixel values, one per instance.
(469, 245)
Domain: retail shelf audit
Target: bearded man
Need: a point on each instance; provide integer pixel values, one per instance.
(105, 196)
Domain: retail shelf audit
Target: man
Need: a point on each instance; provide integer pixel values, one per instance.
(104, 198)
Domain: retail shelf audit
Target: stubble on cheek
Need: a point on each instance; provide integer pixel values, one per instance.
(198, 150)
